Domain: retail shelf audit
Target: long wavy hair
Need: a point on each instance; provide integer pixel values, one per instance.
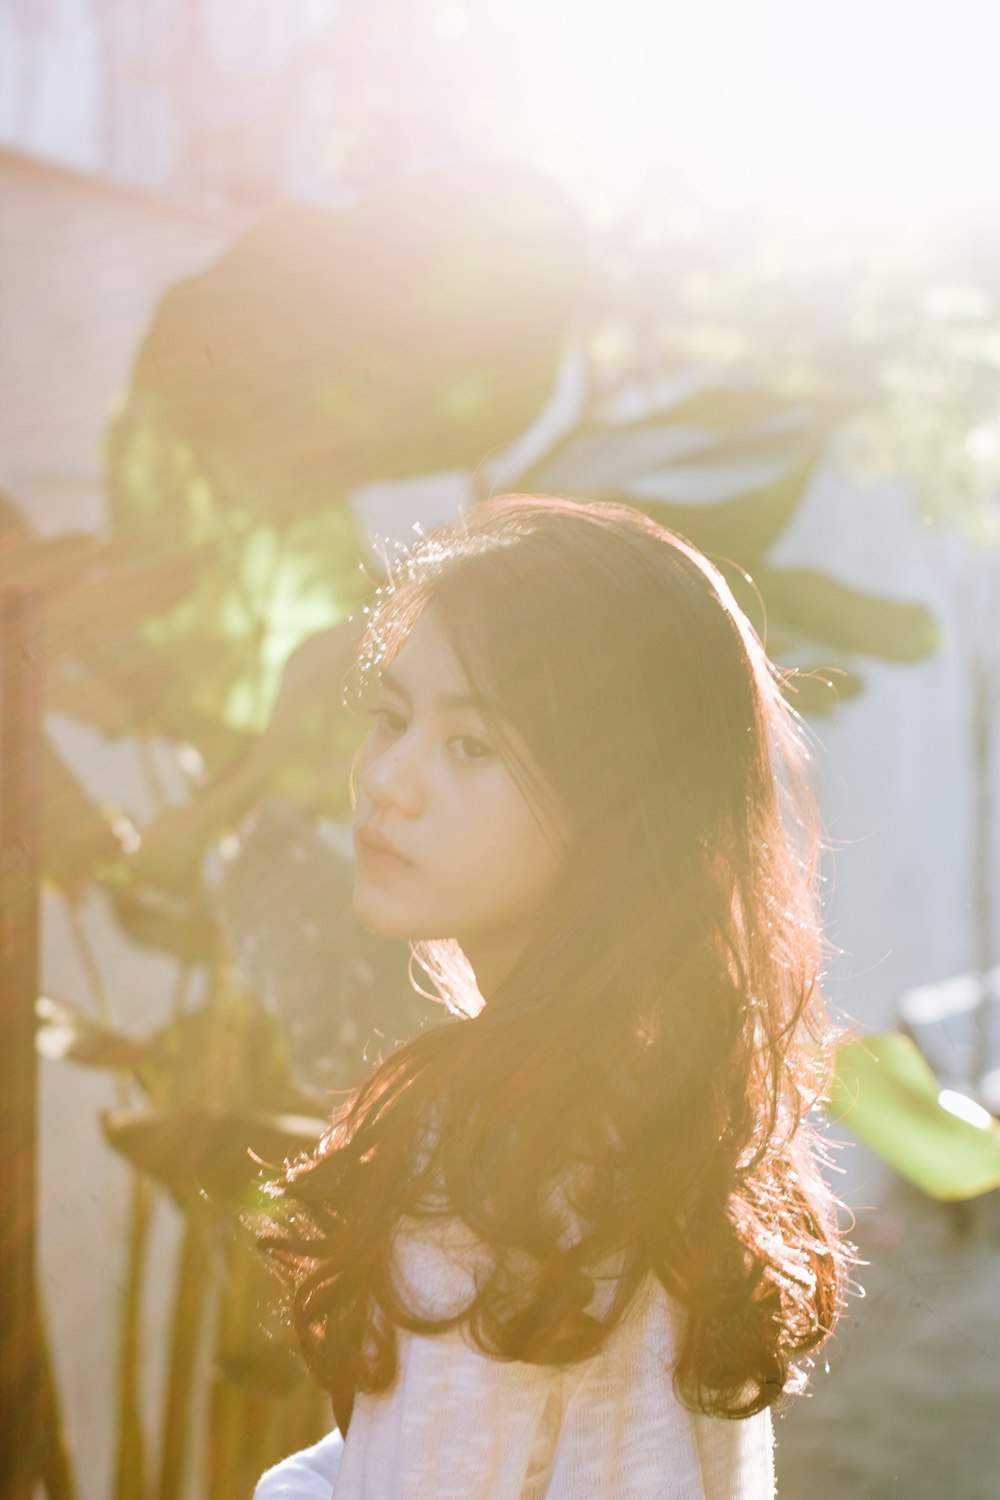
(660, 1043)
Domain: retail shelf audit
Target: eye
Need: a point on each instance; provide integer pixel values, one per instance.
(388, 719)
(471, 747)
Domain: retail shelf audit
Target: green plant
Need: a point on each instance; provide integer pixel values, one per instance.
(418, 331)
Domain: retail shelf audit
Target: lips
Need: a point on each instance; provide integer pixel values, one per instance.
(374, 846)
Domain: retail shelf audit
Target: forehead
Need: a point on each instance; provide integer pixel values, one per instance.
(425, 665)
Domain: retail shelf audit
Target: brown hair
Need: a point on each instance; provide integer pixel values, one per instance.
(660, 1043)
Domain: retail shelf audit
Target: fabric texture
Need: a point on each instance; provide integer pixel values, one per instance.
(458, 1425)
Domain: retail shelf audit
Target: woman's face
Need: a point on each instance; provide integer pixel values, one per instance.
(472, 860)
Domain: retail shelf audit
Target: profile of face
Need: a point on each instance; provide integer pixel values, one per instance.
(448, 844)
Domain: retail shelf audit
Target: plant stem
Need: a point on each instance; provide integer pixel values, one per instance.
(182, 983)
(56, 1473)
(85, 953)
(189, 1307)
(130, 1460)
(154, 781)
(98, 991)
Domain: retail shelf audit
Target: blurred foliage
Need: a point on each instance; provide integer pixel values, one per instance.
(944, 1143)
(884, 307)
(418, 330)
(412, 332)
(217, 1100)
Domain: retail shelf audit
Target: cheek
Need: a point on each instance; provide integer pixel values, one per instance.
(516, 860)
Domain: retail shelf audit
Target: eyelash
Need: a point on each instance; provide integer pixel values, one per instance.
(382, 715)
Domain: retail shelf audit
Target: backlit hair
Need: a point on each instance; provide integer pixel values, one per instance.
(661, 1041)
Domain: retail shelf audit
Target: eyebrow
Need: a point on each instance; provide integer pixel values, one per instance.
(446, 700)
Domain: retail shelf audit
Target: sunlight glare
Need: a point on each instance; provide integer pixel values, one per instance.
(965, 1108)
(868, 97)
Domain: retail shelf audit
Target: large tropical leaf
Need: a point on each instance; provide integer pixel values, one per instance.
(215, 1151)
(737, 530)
(661, 457)
(285, 906)
(178, 922)
(311, 740)
(96, 593)
(727, 469)
(886, 1093)
(415, 330)
(304, 754)
(229, 1054)
(846, 619)
(78, 839)
(254, 599)
(68, 1034)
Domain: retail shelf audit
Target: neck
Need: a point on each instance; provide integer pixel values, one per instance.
(491, 957)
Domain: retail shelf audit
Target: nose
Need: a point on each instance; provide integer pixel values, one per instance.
(394, 779)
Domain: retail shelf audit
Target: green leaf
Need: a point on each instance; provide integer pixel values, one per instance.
(98, 592)
(847, 619)
(734, 408)
(67, 1034)
(412, 331)
(304, 754)
(285, 906)
(77, 836)
(885, 1092)
(602, 460)
(179, 923)
(741, 529)
(254, 599)
(114, 585)
(190, 1150)
(662, 459)
(229, 1049)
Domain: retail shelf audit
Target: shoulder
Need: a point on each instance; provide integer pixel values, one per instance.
(307, 1475)
(608, 1425)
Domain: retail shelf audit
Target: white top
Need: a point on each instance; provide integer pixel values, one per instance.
(458, 1425)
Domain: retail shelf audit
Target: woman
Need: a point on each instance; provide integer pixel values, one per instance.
(551, 1246)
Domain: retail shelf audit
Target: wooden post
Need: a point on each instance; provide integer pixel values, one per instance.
(21, 673)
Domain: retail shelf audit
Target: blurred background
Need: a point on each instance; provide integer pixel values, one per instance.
(282, 284)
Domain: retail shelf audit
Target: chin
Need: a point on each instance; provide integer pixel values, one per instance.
(377, 922)
(379, 918)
